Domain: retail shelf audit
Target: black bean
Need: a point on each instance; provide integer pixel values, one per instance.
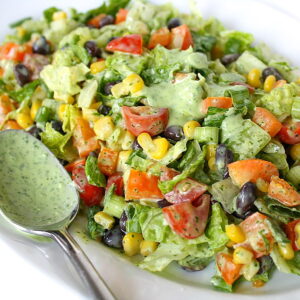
(246, 214)
(174, 133)
(265, 264)
(92, 49)
(57, 125)
(41, 46)
(163, 203)
(113, 237)
(63, 161)
(35, 131)
(229, 58)
(107, 20)
(245, 198)
(109, 85)
(224, 156)
(174, 22)
(122, 222)
(22, 74)
(271, 71)
(104, 109)
(135, 145)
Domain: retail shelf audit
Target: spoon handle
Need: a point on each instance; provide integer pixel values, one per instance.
(83, 265)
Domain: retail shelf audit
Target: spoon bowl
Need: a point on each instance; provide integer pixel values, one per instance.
(38, 196)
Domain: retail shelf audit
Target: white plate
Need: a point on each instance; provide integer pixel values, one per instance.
(37, 270)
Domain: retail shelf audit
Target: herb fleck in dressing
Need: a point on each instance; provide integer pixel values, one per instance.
(34, 188)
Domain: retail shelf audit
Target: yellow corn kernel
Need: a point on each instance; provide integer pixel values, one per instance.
(269, 83)
(189, 128)
(25, 110)
(262, 185)
(24, 120)
(34, 108)
(250, 270)
(230, 244)
(242, 256)
(145, 141)
(297, 231)
(61, 111)
(95, 105)
(298, 80)
(21, 31)
(98, 66)
(127, 141)
(90, 115)
(119, 89)
(59, 15)
(212, 163)
(286, 250)
(148, 247)
(258, 283)
(295, 152)
(253, 78)
(131, 243)
(122, 158)
(104, 219)
(211, 151)
(134, 83)
(161, 148)
(66, 98)
(104, 127)
(235, 233)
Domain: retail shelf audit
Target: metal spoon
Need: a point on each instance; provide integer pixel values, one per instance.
(37, 196)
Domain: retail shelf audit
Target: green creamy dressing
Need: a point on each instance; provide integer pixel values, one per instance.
(182, 99)
(35, 190)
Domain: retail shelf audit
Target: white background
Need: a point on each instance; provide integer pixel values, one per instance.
(38, 270)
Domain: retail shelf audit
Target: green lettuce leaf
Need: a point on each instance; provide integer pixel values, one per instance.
(236, 41)
(195, 263)
(94, 230)
(26, 92)
(55, 141)
(203, 43)
(49, 12)
(93, 173)
(219, 283)
(215, 116)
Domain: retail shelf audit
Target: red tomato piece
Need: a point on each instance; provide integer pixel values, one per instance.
(160, 37)
(6, 106)
(132, 43)
(142, 186)
(12, 51)
(12, 124)
(220, 102)
(250, 88)
(242, 171)
(258, 234)
(84, 138)
(181, 37)
(283, 192)
(267, 121)
(117, 180)
(186, 190)
(145, 119)
(168, 174)
(290, 132)
(121, 15)
(107, 161)
(90, 194)
(292, 235)
(186, 219)
(229, 270)
(80, 162)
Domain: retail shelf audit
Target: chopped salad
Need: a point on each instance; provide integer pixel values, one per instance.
(182, 137)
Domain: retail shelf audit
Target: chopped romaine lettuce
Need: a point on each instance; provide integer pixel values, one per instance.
(93, 173)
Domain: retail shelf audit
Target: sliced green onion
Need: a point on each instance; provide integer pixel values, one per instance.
(296, 109)
(113, 204)
(207, 135)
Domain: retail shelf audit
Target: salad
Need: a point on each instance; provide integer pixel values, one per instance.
(182, 137)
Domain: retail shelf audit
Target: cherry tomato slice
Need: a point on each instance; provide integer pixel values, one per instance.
(117, 180)
(132, 44)
(160, 37)
(12, 51)
(181, 37)
(145, 119)
(90, 194)
(290, 132)
(121, 15)
(187, 220)
(186, 190)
